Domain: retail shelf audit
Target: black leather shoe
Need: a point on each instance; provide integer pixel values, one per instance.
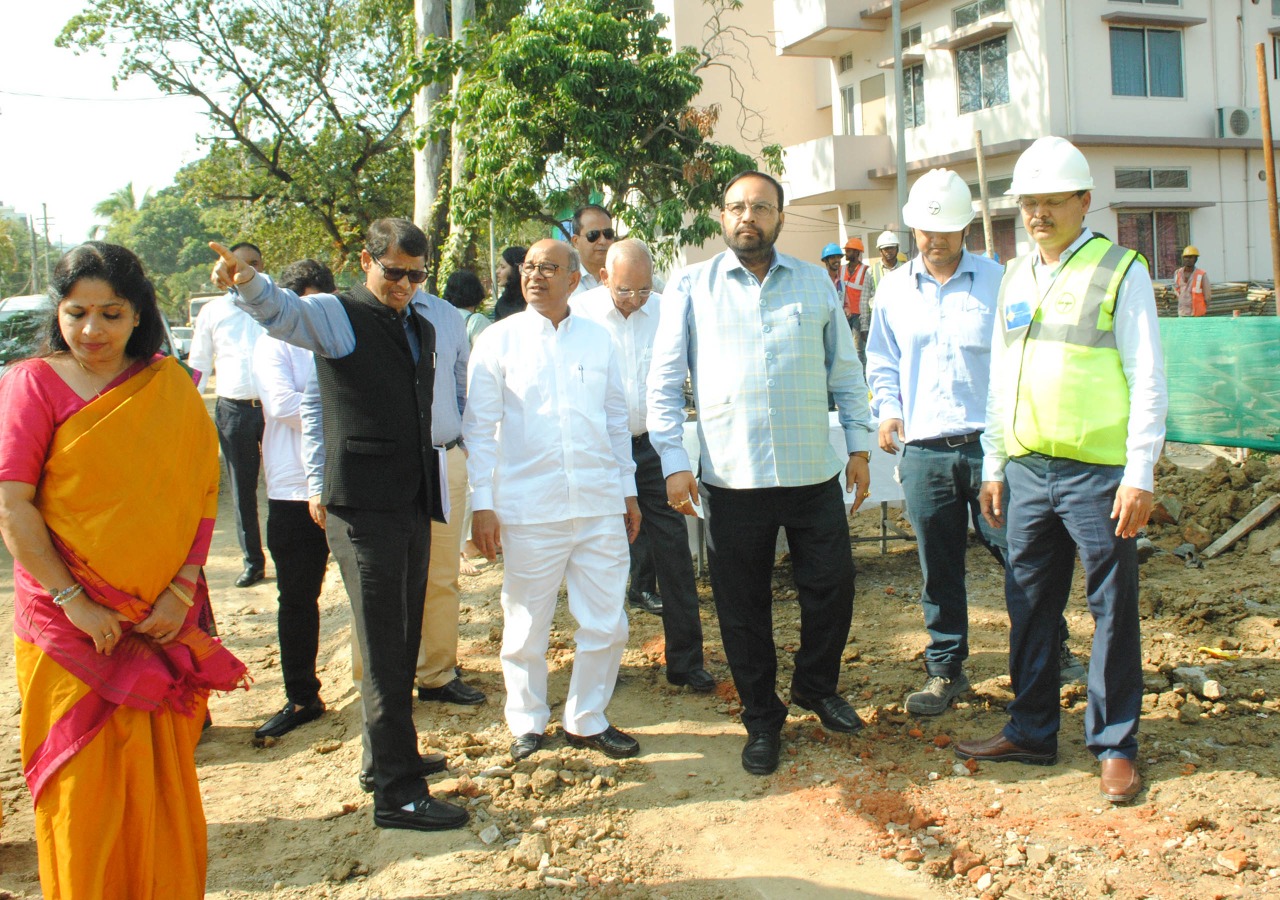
(526, 745)
(456, 691)
(432, 764)
(646, 600)
(290, 718)
(428, 814)
(760, 755)
(250, 576)
(610, 742)
(834, 712)
(699, 680)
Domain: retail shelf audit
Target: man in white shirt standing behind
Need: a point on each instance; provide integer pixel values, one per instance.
(628, 308)
(553, 487)
(223, 345)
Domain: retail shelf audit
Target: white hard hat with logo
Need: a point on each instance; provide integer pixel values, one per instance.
(886, 239)
(939, 201)
(1052, 165)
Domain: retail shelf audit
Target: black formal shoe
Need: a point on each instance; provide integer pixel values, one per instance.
(290, 718)
(432, 764)
(646, 600)
(834, 712)
(1001, 749)
(610, 742)
(428, 814)
(526, 745)
(456, 691)
(699, 680)
(250, 576)
(760, 755)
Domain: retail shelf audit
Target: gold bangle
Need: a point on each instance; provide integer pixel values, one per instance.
(181, 594)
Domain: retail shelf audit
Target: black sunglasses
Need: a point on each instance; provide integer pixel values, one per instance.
(415, 276)
(594, 234)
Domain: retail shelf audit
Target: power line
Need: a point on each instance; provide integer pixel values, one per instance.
(85, 99)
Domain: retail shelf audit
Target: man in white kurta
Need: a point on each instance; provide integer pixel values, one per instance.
(553, 487)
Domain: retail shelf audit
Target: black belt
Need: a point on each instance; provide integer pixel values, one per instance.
(637, 438)
(453, 443)
(256, 404)
(948, 443)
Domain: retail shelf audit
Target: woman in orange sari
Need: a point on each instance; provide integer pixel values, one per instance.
(108, 491)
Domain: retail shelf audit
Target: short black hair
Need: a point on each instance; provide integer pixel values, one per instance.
(400, 234)
(777, 186)
(253, 247)
(582, 210)
(306, 273)
(464, 290)
(122, 270)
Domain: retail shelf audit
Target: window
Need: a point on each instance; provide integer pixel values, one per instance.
(913, 96)
(1158, 234)
(983, 72)
(853, 212)
(972, 12)
(1275, 54)
(1165, 2)
(846, 62)
(1148, 179)
(996, 187)
(1275, 7)
(846, 108)
(1146, 62)
(911, 36)
(1003, 235)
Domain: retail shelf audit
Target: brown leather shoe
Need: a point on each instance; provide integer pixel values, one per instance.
(1120, 780)
(1001, 749)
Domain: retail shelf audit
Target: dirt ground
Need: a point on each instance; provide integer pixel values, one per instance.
(884, 814)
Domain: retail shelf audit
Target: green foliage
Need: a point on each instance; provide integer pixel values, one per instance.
(583, 96)
(15, 259)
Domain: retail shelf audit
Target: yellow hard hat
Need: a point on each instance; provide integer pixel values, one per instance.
(1191, 250)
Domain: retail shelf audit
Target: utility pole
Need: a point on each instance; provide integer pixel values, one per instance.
(35, 273)
(48, 273)
(900, 128)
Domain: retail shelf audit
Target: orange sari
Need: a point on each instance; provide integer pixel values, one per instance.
(128, 493)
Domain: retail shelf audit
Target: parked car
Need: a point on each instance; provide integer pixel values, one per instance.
(11, 306)
(182, 335)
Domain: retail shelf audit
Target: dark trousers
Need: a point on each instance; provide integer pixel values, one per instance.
(300, 553)
(1056, 509)
(663, 549)
(742, 533)
(383, 556)
(240, 436)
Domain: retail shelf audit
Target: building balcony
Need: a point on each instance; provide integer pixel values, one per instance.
(821, 171)
(817, 27)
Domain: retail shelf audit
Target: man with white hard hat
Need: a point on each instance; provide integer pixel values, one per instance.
(1075, 423)
(887, 244)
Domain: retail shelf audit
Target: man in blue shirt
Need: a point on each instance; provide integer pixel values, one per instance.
(765, 340)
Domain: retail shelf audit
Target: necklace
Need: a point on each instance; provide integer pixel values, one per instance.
(94, 375)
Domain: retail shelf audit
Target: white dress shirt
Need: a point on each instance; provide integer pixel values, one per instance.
(588, 282)
(281, 371)
(546, 422)
(633, 340)
(223, 345)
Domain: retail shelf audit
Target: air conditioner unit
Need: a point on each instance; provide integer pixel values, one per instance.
(1239, 122)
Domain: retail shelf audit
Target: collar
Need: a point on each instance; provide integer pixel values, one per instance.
(779, 261)
(1036, 261)
(917, 270)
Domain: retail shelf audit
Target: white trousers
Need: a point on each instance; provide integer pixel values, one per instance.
(590, 556)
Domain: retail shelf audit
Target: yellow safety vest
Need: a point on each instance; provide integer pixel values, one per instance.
(1067, 395)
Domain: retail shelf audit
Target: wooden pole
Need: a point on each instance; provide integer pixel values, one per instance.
(982, 194)
(1269, 155)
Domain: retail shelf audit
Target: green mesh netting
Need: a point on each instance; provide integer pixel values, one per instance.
(1224, 380)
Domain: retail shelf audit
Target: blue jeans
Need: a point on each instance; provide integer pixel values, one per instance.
(1056, 509)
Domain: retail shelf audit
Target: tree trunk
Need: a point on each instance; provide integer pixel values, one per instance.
(428, 163)
(463, 12)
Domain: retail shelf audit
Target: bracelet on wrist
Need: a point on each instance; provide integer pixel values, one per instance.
(181, 593)
(67, 594)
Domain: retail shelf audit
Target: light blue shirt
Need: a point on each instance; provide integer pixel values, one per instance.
(929, 350)
(763, 357)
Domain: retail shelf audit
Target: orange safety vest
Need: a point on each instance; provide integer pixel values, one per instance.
(1198, 306)
(853, 288)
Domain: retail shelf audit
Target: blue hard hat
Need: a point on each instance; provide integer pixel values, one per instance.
(831, 250)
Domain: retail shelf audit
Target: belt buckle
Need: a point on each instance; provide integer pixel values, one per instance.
(960, 440)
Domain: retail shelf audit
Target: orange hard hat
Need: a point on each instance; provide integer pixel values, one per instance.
(854, 243)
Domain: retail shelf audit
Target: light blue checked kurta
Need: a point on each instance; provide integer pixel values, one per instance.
(763, 356)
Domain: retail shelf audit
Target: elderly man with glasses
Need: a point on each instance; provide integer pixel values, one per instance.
(375, 361)
(553, 487)
(593, 235)
(765, 340)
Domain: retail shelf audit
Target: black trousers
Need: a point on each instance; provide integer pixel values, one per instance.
(383, 556)
(742, 533)
(300, 553)
(240, 436)
(665, 552)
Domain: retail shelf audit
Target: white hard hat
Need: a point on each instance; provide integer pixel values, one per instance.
(886, 239)
(939, 201)
(1052, 165)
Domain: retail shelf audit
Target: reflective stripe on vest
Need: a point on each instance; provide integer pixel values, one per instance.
(1070, 397)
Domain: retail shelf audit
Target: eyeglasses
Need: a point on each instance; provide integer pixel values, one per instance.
(1029, 204)
(545, 269)
(595, 234)
(643, 294)
(392, 273)
(759, 210)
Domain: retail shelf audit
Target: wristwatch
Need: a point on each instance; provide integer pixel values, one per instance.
(865, 454)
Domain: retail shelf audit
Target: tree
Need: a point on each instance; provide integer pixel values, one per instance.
(115, 209)
(583, 96)
(297, 93)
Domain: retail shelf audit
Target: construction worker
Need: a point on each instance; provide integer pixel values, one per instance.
(1075, 423)
(887, 244)
(1191, 285)
(831, 258)
(853, 278)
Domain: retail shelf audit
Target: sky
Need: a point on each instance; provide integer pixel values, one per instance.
(76, 141)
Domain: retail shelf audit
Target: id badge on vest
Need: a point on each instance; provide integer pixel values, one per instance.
(1017, 316)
